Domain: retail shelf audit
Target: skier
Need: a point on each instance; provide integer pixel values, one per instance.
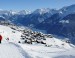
(0, 39)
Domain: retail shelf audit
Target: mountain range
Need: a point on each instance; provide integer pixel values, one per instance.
(59, 22)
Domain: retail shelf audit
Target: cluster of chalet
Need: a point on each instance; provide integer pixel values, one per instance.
(28, 36)
(31, 37)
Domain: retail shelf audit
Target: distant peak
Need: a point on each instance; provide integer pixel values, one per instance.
(44, 10)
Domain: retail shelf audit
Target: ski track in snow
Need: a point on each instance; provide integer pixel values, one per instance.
(11, 50)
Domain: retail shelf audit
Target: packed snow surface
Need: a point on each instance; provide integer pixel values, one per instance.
(11, 50)
(41, 51)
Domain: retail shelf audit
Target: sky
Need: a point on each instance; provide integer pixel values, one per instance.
(34, 4)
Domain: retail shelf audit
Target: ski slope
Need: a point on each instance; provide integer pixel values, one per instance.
(40, 51)
(11, 50)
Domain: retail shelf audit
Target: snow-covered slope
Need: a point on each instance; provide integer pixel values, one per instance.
(11, 50)
(7, 32)
(54, 42)
(15, 36)
(40, 51)
(53, 47)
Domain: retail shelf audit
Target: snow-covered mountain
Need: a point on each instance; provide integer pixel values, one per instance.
(68, 10)
(43, 45)
(65, 10)
(19, 41)
(58, 22)
(45, 10)
(22, 35)
(7, 12)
